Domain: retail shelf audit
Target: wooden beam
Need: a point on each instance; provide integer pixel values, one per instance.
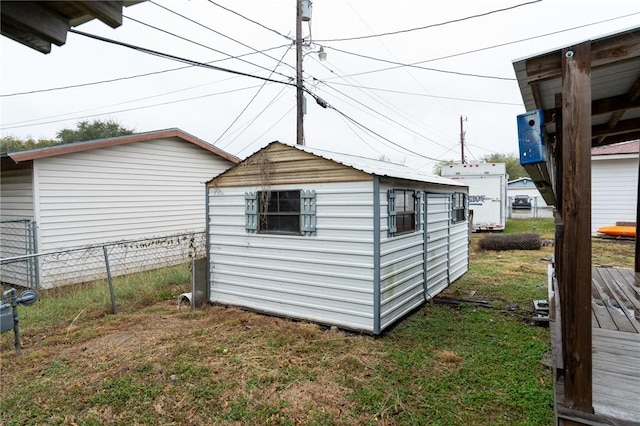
(622, 47)
(619, 137)
(36, 20)
(575, 288)
(624, 126)
(615, 104)
(109, 12)
(637, 256)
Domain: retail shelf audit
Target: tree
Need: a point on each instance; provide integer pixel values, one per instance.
(437, 168)
(96, 129)
(11, 143)
(512, 163)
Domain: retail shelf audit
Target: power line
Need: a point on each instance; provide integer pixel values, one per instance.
(387, 118)
(265, 132)
(216, 32)
(482, 49)
(112, 80)
(252, 21)
(400, 64)
(205, 46)
(429, 96)
(178, 58)
(324, 104)
(131, 109)
(429, 26)
(252, 99)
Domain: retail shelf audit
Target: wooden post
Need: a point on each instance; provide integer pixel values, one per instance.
(575, 288)
(299, 82)
(637, 261)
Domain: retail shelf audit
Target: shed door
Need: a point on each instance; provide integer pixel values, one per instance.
(437, 222)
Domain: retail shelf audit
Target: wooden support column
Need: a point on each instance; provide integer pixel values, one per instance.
(637, 261)
(575, 287)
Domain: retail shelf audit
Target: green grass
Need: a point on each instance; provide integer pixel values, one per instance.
(154, 364)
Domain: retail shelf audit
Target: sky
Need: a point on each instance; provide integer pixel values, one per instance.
(462, 75)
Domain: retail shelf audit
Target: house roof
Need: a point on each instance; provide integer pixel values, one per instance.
(38, 24)
(615, 86)
(54, 151)
(524, 180)
(371, 166)
(630, 147)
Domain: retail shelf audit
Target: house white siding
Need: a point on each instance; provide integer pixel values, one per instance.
(122, 192)
(325, 277)
(614, 190)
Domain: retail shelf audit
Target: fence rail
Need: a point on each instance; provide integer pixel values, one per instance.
(90, 263)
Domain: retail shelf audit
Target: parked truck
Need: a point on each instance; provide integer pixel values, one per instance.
(487, 192)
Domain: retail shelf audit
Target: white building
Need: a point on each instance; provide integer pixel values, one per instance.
(131, 187)
(331, 238)
(614, 177)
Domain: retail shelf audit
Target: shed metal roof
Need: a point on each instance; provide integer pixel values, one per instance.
(380, 168)
(57, 150)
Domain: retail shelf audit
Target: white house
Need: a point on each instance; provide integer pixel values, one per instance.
(614, 177)
(331, 238)
(131, 187)
(525, 186)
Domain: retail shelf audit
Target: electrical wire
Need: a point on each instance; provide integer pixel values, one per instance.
(429, 26)
(324, 104)
(386, 117)
(178, 58)
(217, 32)
(131, 109)
(130, 77)
(205, 46)
(252, 99)
(495, 46)
(400, 64)
(252, 21)
(266, 131)
(429, 96)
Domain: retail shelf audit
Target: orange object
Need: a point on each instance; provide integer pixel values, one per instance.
(618, 231)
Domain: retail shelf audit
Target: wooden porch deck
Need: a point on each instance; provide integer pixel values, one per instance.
(616, 350)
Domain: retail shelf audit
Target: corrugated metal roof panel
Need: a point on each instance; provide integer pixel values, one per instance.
(380, 168)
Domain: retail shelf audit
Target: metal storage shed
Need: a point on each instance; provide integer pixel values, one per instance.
(331, 238)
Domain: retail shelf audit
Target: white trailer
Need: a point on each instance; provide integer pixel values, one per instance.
(487, 192)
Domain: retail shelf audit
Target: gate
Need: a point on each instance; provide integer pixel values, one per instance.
(17, 240)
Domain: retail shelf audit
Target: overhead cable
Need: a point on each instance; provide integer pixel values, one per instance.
(252, 21)
(482, 49)
(130, 77)
(251, 100)
(205, 46)
(130, 109)
(421, 67)
(178, 58)
(429, 26)
(429, 96)
(216, 32)
(322, 102)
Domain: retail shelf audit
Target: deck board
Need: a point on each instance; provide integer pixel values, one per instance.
(616, 350)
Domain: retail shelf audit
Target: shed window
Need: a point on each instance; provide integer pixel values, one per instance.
(459, 207)
(402, 211)
(281, 212)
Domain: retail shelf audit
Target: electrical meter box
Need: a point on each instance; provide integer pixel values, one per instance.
(531, 137)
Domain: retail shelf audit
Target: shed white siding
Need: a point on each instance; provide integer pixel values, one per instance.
(325, 277)
(121, 192)
(614, 190)
(16, 191)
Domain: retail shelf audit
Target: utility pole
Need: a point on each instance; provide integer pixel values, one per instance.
(462, 140)
(299, 91)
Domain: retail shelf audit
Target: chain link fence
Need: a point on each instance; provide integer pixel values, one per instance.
(17, 241)
(536, 208)
(91, 263)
